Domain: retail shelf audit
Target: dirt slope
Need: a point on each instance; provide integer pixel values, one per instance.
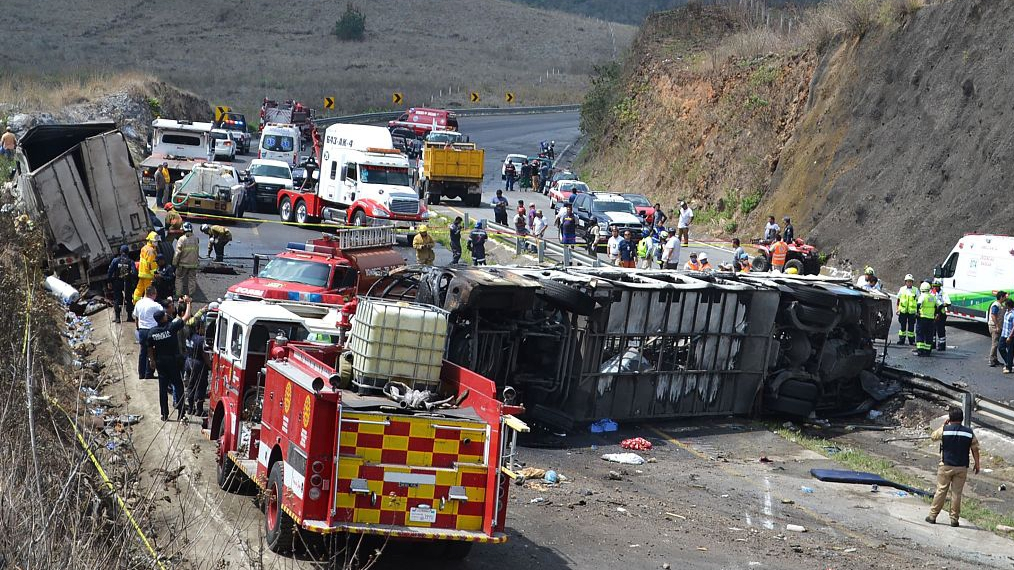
(237, 53)
(884, 148)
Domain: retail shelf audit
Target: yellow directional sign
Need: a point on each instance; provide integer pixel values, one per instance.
(397, 98)
(220, 111)
(474, 96)
(509, 97)
(329, 102)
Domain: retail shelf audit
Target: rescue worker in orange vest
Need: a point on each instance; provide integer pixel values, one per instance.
(779, 253)
(146, 266)
(705, 265)
(693, 264)
(173, 222)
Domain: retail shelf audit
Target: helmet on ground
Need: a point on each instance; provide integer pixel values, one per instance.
(909, 277)
(792, 271)
(152, 236)
(703, 256)
(205, 228)
(423, 229)
(869, 270)
(188, 228)
(168, 206)
(924, 287)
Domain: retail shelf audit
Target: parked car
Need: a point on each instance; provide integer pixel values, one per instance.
(641, 204)
(562, 189)
(236, 124)
(598, 212)
(270, 176)
(559, 176)
(225, 144)
(517, 159)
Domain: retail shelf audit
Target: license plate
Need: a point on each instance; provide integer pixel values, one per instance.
(422, 515)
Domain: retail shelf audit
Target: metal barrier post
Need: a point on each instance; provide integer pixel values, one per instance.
(519, 245)
(566, 256)
(542, 250)
(966, 408)
(467, 224)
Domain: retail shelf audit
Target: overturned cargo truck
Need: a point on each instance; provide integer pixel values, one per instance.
(83, 182)
(577, 345)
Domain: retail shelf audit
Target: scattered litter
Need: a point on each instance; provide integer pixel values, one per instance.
(764, 459)
(735, 529)
(901, 494)
(725, 496)
(551, 477)
(702, 548)
(625, 458)
(532, 473)
(634, 545)
(97, 411)
(666, 566)
(604, 425)
(807, 490)
(124, 420)
(1002, 487)
(788, 502)
(959, 384)
(674, 515)
(874, 488)
(795, 528)
(873, 414)
(850, 550)
(537, 500)
(112, 445)
(636, 443)
(652, 460)
(832, 449)
(615, 476)
(987, 470)
(621, 510)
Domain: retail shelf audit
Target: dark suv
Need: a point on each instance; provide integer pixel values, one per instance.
(598, 212)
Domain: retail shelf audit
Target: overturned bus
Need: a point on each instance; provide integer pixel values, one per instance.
(581, 344)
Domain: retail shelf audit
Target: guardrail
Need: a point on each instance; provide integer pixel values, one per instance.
(365, 118)
(546, 250)
(1000, 416)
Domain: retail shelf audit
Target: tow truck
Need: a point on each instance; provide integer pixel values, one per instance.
(325, 269)
(295, 410)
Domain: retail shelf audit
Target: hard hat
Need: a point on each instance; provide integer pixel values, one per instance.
(187, 227)
(663, 234)
(703, 256)
(924, 287)
(152, 236)
(938, 281)
(792, 271)
(423, 229)
(909, 277)
(168, 206)
(693, 255)
(205, 228)
(744, 255)
(478, 225)
(869, 270)
(213, 306)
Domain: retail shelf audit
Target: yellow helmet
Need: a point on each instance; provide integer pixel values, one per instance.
(423, 229)
(152, 236)
(792, 271)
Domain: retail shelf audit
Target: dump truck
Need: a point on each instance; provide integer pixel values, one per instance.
(451, 167)
(83, 182)
(359, 427)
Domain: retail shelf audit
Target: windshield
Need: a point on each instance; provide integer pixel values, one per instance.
(369, 174)
(443, 138)
(270, 170)
(219, 136)
(571, 186)
(296, 271)
(637, 200)
(278, 143)
(613, 206)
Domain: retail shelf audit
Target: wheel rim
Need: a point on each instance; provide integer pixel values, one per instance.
(301, 213)
(359, 219)
(286, 210)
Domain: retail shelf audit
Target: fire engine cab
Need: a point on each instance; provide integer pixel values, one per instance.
(358, 425)
(323, 270)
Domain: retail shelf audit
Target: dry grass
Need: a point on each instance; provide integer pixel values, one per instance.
(25, 93)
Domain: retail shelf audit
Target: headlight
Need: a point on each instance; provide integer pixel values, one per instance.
(231, 296)
(379, 213)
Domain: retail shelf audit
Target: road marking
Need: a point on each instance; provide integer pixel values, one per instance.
(691, 450)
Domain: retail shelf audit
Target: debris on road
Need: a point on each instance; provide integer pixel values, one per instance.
(795, 528)
(636, 443)
(603, 426)
(624, 458)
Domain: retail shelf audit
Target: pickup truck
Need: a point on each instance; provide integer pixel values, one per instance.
(451, 167)
(82, 181)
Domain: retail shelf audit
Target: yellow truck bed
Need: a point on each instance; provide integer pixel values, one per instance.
(460, 163)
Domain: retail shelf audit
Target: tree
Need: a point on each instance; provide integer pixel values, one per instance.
(352, 25)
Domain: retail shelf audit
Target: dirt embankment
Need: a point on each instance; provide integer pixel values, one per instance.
(884, 145)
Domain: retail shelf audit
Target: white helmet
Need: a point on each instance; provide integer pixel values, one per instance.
(909, 277)
(703, 256)
(205, 228)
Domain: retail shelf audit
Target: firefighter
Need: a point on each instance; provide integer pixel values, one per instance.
(907, 309)
(943, 301)
(186, 260)
(164, 356)
(477, 243)
(173, 222)
(454, 231)
(120, 282)
(925, 326)
(146, 266)
(219, 237)
(423, 245)
(779, 254)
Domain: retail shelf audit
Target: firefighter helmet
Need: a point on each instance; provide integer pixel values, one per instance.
(925, 287)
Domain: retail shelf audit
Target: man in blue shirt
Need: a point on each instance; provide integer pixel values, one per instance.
(568, 226)
(499, 204)
(1007, 337)
(628, 250)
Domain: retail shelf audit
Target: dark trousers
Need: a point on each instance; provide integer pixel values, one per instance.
(219, 247)
(142, 356)
(906, 328)
(510, 183)
(924, 331)
(455, 253)
(1006, 350)
(169, 379)
(500, 216)
(941, 326)
(197, 389)
(123, 294)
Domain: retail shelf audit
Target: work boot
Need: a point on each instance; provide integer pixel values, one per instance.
(116, 319)
(930, 519)
(954, 522)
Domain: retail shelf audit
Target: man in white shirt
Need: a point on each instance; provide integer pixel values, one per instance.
(771, 229)
(613, 247)
(144, 319)
(671, 252)
(683, 227)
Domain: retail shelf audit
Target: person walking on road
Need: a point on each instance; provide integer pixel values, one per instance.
(423, 245)
(144, 320)
(956, 442)
(477, 244)
(147, 265)
(186, 258)
(499, 204)
(8, 142)
(218, 238)
(925, 327)
(671, 252)
(510, 173)
(789, 233)
(613, 246)
(779, 254)
(568, 225)
(536, 181)
(943, 301)
(686, 217)
(1006, 340)
(994, 318)
(161, 178)
(628, 250)
(120, 283)
(907, 310)
(455, 237)
(164, 355)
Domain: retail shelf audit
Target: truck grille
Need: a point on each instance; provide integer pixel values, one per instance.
(404, 206)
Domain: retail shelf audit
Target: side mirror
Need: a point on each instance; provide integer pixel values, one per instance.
(938, 272)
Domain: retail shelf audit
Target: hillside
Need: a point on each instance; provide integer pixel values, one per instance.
(885, 141)
(630, 11)
(237, 53)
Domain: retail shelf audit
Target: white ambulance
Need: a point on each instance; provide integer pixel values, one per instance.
(978, 266)
(279, 141)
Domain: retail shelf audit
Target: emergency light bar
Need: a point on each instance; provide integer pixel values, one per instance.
(298, 297)
(311, 248)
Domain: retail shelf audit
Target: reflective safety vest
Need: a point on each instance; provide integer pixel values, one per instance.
(908, 300)
(692, 266)
(779, 251)
(927, 306)
(146, 265)
(642, 247)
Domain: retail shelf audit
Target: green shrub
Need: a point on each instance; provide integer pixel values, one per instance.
(598, 104)
(352, 25)
(764, 76)
(750, 202)
(731, 227)
(154, 105)
(755, 101)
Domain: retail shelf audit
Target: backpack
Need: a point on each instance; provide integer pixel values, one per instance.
(125, 268)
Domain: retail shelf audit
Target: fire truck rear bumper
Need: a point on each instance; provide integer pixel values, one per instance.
(406, 533)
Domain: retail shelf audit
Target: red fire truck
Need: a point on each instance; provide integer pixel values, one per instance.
(325, 269)
(431, 461)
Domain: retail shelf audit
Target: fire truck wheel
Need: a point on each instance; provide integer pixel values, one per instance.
(279, 528)
(285, 209)
(228, 476)
(457, 550)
